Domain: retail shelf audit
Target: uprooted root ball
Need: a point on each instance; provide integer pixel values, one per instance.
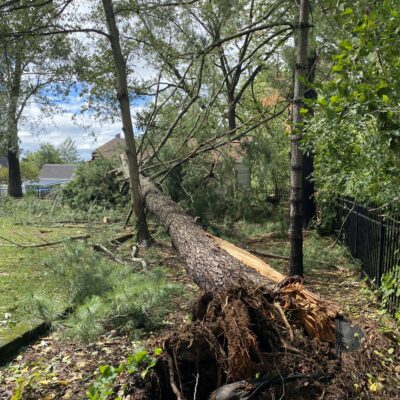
(236, 335)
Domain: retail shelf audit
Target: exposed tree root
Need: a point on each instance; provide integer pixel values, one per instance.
(236, 335)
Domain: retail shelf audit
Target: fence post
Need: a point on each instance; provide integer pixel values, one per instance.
(356, 233)
(381, 252)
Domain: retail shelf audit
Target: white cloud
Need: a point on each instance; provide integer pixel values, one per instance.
(37, 128)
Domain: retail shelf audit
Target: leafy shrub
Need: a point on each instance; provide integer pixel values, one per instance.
(138, 363)
(390, 286)
(326, 215)
(93, 188)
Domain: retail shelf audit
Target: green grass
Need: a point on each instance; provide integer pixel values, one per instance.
(37, 284)
(318, 250)
(22, 271)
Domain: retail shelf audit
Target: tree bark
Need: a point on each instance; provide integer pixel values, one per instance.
(308, 158)
(231, 113)
(143, 234)
(14, 174)
(296, 192)
(210, 267)
(14, 171)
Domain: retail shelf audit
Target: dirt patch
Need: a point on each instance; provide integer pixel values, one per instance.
(55, 369)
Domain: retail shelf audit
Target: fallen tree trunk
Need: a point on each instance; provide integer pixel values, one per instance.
(214, 265)
(210, 267)
(251, 319)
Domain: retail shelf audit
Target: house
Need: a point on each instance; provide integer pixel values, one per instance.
(236, 153)
(51, 176)
(111, 149)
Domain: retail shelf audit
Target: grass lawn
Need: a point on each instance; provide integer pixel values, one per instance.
(22, 271)
(329, 271)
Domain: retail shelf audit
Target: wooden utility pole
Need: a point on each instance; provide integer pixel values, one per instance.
(296, 192)
(143, 234)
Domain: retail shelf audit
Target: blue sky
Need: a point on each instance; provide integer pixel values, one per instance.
(87, 132)
(35, 128)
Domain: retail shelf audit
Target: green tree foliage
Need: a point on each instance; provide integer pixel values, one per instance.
(356, 131)
(68, 152)
(32, 66)
(29, 172)
(65, 153)
(93, 188)
(46, 154)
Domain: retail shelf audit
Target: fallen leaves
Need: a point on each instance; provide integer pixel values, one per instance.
(54, 369)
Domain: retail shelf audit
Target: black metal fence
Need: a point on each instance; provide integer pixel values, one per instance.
(41, 193)
(372, 238)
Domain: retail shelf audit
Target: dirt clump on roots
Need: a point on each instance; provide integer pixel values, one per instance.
(235, 335)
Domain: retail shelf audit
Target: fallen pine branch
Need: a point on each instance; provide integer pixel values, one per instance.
(121, 239)
(134, 258)
(46, 244)
(268, 255)
(103, 249)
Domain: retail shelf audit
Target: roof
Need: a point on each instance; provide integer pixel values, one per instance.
(110, 149)
(57, 172)
(45, 183)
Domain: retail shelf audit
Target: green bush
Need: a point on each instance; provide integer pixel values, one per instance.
(138, 363)
(93, 188)
(218, 197)
(390, 286)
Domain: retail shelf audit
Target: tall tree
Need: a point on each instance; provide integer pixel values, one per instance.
(143, 234)
(296, 192)
(14, 171)
(31, 63)
(308, 157)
